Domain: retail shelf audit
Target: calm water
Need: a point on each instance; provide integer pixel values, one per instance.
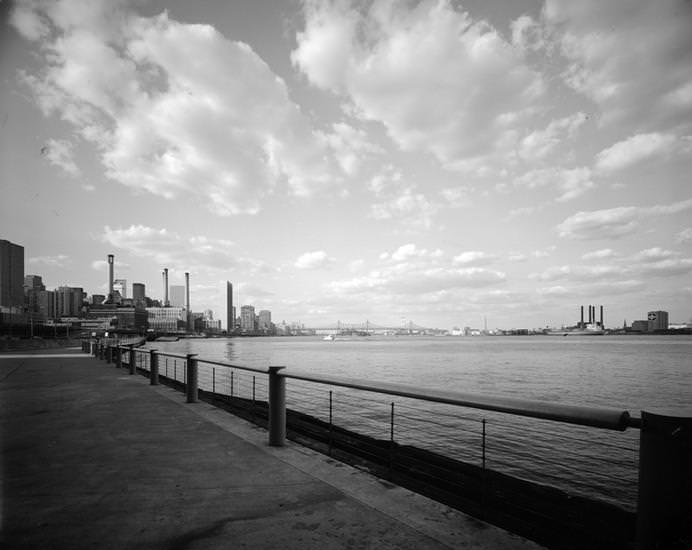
(652, 373)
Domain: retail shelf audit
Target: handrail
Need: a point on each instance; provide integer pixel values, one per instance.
(610, 419)
(145, 350)
(228, 365)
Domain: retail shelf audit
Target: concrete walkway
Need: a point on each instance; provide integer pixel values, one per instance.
(95, 458)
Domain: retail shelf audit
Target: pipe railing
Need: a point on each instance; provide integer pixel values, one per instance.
(661, 512)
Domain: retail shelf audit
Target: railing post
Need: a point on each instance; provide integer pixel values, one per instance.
(331, 427)
(109, 354)
(94, 348)
(191, 378)
(153, 368)
(277, 408)
(133, 364)
(119, 357)
(664, 513)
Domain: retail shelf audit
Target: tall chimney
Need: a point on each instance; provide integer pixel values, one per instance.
(187, 300)
(165, 287)
(602, 317)
(111, 260)
(581, 324)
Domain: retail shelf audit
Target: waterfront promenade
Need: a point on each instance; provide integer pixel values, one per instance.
(93, 457)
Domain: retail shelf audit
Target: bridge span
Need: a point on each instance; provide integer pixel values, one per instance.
(367, 327)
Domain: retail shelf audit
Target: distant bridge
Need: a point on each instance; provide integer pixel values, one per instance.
(367, 326)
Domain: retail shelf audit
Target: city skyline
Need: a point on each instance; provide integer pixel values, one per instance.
(435, 161)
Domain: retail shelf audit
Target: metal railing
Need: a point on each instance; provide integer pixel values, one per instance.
(527, 440)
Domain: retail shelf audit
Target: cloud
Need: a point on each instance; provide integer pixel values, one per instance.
(410, 206)
(102, 265)
(613, 223)
(569, 183)
(176, 251)
(655, 254)
(633, 150)
(222, 132)
(410, 270)
(577, 273)
(540, 143)
(438, 80)
(400, 201)
(59, 152)
(474, 257)
(685, 236)
(350, 146)
(639, 267)
(602, 254)
(627, 56)
(313, 260)
(59, 260)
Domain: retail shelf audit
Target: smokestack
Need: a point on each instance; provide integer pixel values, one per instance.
(581, 323)
(187, 300)
(111, 260)
(166, 303)
(601, 316)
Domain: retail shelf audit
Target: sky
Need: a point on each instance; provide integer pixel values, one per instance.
(437, 162)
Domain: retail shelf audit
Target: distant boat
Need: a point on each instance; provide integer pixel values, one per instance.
(588, 330)
(330, 337)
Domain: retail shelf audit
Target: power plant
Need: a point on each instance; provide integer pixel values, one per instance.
(592, 317)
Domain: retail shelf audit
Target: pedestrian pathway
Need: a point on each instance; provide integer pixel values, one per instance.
(96, 458)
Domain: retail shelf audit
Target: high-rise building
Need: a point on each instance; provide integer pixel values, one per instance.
(120, 285)
(247, 318)
(264, 322)
(139, 295)
(68, 301)
(658, 320)
(230, 310)
(177, 295)
(11, 277)
(33, 284)
(46, 304)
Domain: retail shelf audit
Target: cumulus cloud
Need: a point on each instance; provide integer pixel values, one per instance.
(569, 183)
(399, 200)
(540, 143)
(223, 131)
(627, 56)
(633, 150)
(59, 152)
(655, 254)
(351, 146)
(685, 236)
(614, 222)
(58, 260)
(413, 270)
(412, 206)
(176, 251)
(621, 270)
(602, 254)
(437, 79)
(474, 257)
(313, 260)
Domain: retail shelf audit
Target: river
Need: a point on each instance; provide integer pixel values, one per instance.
(634, 373)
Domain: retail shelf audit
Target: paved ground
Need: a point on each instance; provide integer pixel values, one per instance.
(95, 458)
